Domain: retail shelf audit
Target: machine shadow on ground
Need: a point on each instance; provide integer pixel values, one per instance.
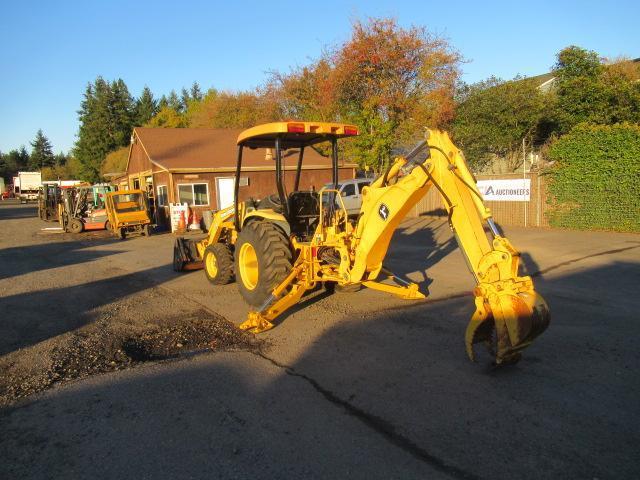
(16, 211)
(568, 409)
(45, 256)
(44, 314)
(424, 239)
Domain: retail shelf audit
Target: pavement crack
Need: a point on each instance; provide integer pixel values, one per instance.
(379, 425)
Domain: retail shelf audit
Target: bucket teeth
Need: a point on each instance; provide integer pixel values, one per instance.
(479, 331)
(512, 324)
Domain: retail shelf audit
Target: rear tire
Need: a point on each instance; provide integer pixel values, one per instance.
(218, 264)
(263, 260)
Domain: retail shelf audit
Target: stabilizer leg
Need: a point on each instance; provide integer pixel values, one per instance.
(260, 321)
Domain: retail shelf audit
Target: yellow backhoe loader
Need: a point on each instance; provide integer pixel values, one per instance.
(287, 244)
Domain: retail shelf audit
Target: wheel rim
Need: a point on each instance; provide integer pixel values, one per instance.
(212, 265)
(248, 266)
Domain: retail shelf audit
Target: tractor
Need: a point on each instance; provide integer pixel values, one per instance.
(284, 245)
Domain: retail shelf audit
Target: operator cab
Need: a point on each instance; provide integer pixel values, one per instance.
(298, 210)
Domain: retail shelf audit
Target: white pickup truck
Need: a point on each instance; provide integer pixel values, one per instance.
(351, 193)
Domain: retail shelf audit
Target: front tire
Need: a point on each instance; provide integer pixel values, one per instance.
(218, 264)
(263, 260)
(75, 226)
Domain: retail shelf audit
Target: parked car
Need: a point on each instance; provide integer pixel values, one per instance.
(351, 193)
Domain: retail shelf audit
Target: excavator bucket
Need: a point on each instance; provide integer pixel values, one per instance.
(185, 255)
(507, 323)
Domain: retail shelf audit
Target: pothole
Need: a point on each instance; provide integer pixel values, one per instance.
(107, 346)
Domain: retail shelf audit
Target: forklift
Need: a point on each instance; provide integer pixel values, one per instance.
(83, 208)
(48, 201)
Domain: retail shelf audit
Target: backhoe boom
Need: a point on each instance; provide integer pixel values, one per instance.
(506, 303)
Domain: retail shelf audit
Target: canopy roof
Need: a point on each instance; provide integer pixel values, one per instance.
(294, 134)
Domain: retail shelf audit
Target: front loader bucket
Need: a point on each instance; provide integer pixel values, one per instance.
(185, 255)
(507, 323)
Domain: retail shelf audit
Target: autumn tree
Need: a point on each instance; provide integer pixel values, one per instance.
(390, 81)
(168, 117)
(116, 161)
(231, 110)
(306, 93)
(71, 169)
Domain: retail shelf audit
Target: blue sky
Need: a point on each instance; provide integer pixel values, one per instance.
(50, 50)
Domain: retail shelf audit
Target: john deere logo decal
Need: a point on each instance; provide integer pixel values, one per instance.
(383, 211)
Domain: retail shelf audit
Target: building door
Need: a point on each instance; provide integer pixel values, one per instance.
(224, 189)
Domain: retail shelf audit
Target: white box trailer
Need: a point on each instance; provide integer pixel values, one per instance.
(29, 185)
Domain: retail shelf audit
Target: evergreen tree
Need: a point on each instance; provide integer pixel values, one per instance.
(122, 112)
(163, 102)
(60, 159)
(196, 93)
(106, 118)
(146, 107)
(174, 102)
(13, 162)
(22, 159)
(41, 153)
(185, 100)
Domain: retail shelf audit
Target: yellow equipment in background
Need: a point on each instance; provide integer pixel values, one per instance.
(128, 212)
(286, 245)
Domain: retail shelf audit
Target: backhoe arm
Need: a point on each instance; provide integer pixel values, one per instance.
(506, 303)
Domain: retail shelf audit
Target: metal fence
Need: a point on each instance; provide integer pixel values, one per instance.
(526, 214)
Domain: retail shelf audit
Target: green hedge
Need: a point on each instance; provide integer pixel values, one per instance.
(595, 181)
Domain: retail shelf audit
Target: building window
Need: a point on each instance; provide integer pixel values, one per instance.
(136, 184)
(163, 197)
(194, 193)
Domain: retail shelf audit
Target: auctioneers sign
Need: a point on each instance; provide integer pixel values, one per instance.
(516, 190)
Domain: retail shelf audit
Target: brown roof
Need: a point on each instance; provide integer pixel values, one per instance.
(202, 148)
